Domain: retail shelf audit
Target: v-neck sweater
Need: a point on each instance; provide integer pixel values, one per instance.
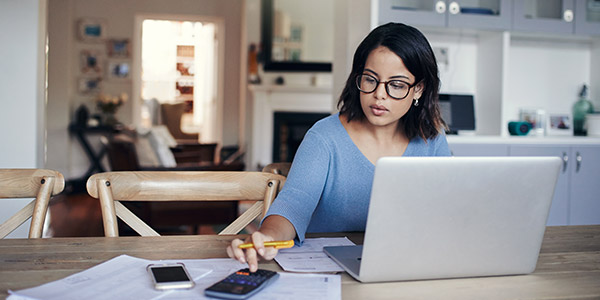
(329, 183)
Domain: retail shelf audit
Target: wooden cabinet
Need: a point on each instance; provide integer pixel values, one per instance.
(557, 16)
(577, 194)
(585, 185)
(587, 17)
(494, 14)
(559, 211)
(553, 16)
(547, 16)
(479, 149)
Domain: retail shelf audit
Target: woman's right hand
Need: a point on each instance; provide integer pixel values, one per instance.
(251, 255)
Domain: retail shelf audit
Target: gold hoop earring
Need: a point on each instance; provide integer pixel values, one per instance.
(416, 102)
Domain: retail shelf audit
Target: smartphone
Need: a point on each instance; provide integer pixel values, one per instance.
(170, 276)
(241, 284)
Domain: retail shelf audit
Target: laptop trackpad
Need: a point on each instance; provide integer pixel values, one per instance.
(348, 257)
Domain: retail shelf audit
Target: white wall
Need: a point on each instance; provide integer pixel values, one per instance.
(21, 92)
(546, 74)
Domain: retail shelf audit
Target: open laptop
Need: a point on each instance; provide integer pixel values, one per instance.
(446, 217)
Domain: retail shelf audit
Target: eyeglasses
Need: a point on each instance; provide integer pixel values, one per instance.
(397, 89)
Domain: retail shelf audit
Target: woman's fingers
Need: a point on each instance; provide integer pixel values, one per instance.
(234, 252)
(251, 255)
(252, 259)
(258, 239)
(270, 253)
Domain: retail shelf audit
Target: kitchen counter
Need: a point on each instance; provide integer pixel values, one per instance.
(508, 140)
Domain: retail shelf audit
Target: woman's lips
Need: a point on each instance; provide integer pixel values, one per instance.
(378, 110)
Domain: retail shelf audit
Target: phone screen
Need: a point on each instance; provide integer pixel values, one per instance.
(169, 274)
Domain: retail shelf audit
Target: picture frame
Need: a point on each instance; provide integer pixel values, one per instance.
(118, 69)
(89, 85)
(536, 117)
(119, 48)
(91, 30)
(91, 62)
(559, 124)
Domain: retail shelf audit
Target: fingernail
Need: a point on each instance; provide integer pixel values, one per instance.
(243, 260)
(261, 251)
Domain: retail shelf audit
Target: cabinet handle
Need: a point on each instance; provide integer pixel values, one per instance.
(565, 161)
(578, 158)
(440, 7)
(454, 8)
(568, 16)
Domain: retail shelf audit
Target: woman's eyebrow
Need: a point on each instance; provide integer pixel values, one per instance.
(400, 76)
(371, 71)
(393, 77)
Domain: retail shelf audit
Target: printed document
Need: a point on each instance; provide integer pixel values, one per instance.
(310, 258)
(125, 277)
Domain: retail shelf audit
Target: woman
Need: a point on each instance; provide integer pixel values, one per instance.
(389, 107)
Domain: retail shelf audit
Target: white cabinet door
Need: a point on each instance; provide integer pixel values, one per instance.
(585, 185)
(553, 16)
(559, 211)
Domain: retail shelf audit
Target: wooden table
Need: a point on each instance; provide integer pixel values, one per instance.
(568, 267)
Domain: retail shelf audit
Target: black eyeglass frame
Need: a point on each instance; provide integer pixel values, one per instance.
(385, 83)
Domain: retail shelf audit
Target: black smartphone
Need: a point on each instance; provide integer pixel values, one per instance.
(170, 276)
(241, 284)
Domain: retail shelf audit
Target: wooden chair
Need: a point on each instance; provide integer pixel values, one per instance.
(29, 183)
(281, 168)
(112, 187)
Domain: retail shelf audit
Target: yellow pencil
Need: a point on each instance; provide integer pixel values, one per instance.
(276, 244)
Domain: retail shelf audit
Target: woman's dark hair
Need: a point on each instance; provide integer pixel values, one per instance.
(413, 48)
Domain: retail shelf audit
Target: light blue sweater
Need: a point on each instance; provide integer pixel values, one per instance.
(329, 184)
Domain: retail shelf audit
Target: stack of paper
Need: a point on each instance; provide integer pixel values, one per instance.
(310, 257)
(125, 277)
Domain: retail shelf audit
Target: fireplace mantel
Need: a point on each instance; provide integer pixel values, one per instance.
(268, 99)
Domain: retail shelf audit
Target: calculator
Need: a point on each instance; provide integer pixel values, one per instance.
(241, 284)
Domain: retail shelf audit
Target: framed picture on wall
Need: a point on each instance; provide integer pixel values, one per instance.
(118, 48)
(89, 85)
(559, 124)
(91, 30)
(91, 62)
(118, 69)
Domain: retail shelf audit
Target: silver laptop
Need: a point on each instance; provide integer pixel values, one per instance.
(447, 217)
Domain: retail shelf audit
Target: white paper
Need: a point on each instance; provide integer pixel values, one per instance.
(310, 257)
(303, 287)
(125, 277)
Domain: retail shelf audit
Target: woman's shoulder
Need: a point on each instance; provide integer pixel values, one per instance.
(331, 121)
(433, 146)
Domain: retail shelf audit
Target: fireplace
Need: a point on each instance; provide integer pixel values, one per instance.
(289, 129)
(296, 110)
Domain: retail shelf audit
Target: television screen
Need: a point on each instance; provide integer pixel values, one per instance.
(458, 112)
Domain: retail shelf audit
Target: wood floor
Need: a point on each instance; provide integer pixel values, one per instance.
(79, 215)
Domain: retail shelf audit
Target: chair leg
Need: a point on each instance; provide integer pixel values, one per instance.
(109, 215)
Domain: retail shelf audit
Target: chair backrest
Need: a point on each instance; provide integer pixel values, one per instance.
(112, 187)
(171, 116)
(40, 184)
(281, 168)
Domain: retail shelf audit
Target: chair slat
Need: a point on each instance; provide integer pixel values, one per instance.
(242, 221)
(112, 187)
(133, 221)
(29, 183)
(16, 220)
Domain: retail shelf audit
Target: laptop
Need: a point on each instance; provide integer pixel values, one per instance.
(449, 217)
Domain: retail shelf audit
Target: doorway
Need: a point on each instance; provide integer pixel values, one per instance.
(180, 62)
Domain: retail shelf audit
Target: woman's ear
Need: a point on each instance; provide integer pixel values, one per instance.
(419, 88)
